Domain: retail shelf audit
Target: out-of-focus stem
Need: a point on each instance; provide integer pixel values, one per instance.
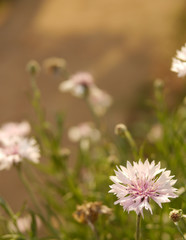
(138, 220)
(40, 214)
(93, 228)
(179, 230)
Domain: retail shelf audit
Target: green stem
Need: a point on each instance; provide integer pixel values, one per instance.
(179, 230)
(93, 228)
(138, 220)
(36, 205)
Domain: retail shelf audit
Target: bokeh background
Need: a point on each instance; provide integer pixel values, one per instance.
(124, 44)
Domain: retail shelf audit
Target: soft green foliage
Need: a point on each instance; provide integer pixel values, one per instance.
(59, 183)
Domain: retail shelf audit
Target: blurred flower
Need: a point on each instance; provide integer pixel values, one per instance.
(55, 65)
(15, 129)
(99, 101)
(84, 131)
(79, 84)
(33, 67)
(155, 133)
(13, 150)
(90, 211)
(176, 214)
(24, 224)
(179, 62)
(137, 184)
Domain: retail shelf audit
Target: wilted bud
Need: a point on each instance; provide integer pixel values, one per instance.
(55, 65)
(158, 84)
(65, 153)
(33, 67)
(176, 215)
(120, 129)
(90, 211)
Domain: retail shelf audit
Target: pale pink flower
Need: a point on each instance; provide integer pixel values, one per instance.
(84, 131)
(78, 84)
(13, 129)
(156, 133)
(99, 100)
(136, 185)
(24, 224)
(179, 62)
(14, 149)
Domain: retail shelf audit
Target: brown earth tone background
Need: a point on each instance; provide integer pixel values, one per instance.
(124, 44)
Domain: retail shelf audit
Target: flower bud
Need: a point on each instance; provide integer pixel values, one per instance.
(55, 65)
(33, 67)
(158, 84)
(120, 129)
(176, 215)
(65, 153)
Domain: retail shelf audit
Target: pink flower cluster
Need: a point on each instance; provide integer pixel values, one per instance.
(82, 85)
(15, 146)
(136, 185)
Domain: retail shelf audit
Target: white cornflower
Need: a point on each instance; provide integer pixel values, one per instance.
(99, 101)
(84, 131)
(13, 150)
(179, 62)
(79, 84)
(13, 129)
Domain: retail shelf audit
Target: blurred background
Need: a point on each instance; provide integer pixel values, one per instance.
(124, 44)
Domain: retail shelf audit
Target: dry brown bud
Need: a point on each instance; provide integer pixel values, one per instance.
(55, 65)
(90, 211)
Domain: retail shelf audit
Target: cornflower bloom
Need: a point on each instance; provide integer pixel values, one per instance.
(12, 129)
(84, 131)
(24, 224)
(136, 185)
(14, 149)
(79, 84)
(156, 133)
(99, 101)
(179, 62)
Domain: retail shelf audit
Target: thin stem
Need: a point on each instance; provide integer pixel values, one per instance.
(138, 220)
(179, 230)
(92, 226)
(40, 214)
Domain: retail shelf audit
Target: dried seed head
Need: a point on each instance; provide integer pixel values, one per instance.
(90, 211)
(55, 65)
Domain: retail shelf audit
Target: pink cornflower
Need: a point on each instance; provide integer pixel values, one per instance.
(13, 129)
(179, 62)
(84, 131)
(99, 100)
(136, 185)
(13, 150)
(78, 84)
